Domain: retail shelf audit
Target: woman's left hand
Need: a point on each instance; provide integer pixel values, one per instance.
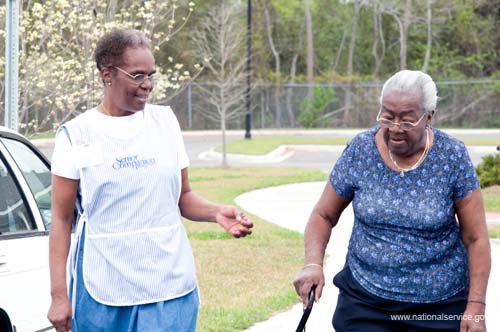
(473, 319)
(234, 221)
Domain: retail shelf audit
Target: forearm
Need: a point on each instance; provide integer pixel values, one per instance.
(471, 216)
(324, 217)
(479, 254)
(316, 237)
(196, 208)
(59, 243)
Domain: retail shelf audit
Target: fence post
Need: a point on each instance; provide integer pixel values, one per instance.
(190, 107)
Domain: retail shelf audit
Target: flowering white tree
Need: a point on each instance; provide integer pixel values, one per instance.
(57, 75)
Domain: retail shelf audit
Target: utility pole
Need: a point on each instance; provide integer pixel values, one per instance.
(11, 64)
(248, 114)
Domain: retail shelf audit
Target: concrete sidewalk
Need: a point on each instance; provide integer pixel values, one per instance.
(289, 206)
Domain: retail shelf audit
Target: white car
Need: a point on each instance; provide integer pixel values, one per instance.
(25, 195)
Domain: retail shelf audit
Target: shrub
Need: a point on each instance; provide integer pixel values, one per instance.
(489, 170)
(324, 100)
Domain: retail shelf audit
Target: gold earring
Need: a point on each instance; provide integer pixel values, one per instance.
(108, 83)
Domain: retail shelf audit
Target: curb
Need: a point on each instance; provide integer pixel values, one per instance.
(278, 155)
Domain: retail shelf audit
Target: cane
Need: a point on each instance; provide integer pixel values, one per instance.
(307, 310)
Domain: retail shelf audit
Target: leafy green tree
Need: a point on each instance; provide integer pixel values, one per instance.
(318, 113)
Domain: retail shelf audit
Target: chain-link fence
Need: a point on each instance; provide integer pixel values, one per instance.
(469, 104)
(462, 104)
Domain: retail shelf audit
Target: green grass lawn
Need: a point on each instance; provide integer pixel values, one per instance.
(262, 145)
(265, 144)
(243, 281)
(491, 196)
(494, 231)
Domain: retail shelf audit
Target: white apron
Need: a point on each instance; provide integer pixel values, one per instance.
(136, 249)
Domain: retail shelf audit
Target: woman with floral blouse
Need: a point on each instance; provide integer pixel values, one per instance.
(419, 245)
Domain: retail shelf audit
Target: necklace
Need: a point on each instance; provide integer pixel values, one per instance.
(402, 170)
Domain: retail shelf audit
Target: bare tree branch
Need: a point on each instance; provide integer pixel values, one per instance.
(219, 41)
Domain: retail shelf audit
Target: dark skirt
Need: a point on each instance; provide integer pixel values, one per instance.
(358, 310)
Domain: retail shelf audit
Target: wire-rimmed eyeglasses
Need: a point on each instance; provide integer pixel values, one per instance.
(404, 125)
(139, 78)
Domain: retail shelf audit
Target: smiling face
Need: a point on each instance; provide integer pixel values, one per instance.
(125, 93)
(400, 106)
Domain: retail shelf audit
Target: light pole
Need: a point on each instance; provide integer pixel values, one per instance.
(11, 64)
(248, 114)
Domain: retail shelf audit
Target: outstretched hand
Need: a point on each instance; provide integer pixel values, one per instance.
(234, 221)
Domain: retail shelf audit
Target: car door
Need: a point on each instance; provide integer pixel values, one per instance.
(24, 225)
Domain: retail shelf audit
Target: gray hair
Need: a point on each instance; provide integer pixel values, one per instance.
(413, 81)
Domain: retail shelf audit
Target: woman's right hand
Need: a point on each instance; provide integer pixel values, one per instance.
(311, 274)
(60, 313)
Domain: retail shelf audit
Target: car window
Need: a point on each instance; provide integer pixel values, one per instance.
(37, 176)
(14, 216)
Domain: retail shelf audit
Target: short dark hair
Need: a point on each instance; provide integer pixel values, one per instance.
(112, 45)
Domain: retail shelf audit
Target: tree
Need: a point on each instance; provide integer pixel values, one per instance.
(378, 52)
(219, 40)
(284, 31)
(404, 18)
(429, 36)
(277, 68)
(57, 74)
(352, 45)
(310, 53)
(293, 72)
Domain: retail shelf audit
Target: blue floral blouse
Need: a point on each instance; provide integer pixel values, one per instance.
(405, 243)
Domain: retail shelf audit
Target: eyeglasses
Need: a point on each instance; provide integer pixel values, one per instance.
(404, 125)
(139, 78)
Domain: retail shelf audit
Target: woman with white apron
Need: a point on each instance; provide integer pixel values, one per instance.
(131, 266)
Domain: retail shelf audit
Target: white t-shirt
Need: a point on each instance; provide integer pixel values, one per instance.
(115, 126)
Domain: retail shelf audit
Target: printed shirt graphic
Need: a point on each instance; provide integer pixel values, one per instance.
(405, 243)
(136, 249)
(132, 161)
